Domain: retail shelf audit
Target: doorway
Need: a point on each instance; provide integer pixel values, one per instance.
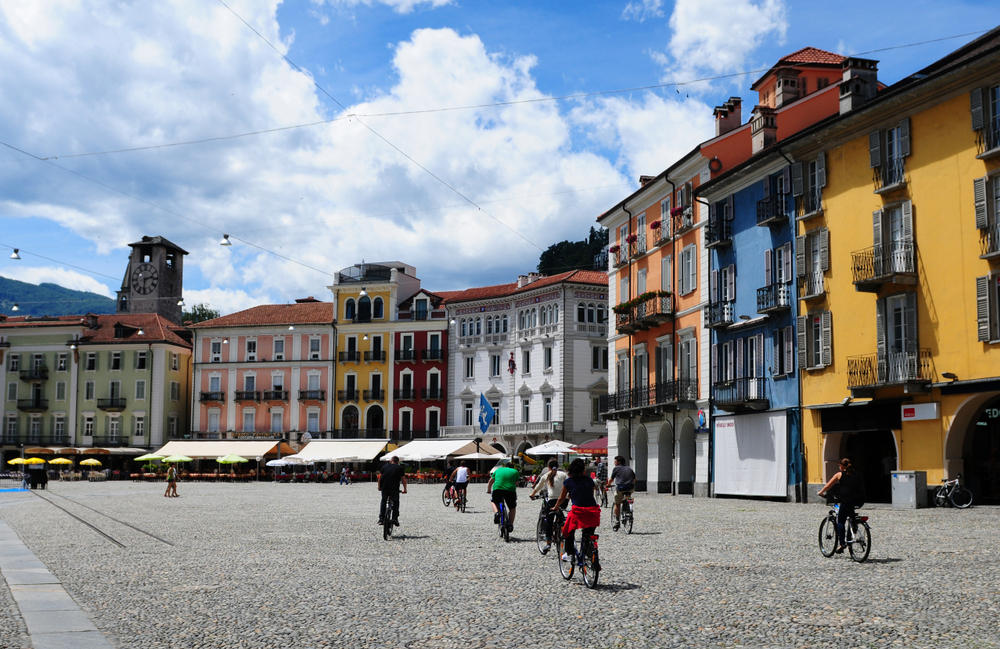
(874, 456)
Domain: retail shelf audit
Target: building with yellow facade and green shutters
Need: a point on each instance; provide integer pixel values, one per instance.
(898, 246)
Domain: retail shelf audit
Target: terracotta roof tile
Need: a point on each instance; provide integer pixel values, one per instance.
(274, 314)
(812, 55)
(155, 327)
(502, 290)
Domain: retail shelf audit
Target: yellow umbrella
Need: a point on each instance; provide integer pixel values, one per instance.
(16, 460)
(34, 460)
(61, 460)
(90, 462)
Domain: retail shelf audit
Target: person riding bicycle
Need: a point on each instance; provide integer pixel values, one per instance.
(585, 514)
(849, 488)
(552, 482)
(460, 482)
(503, 484)
(389, 479)
(624, 478)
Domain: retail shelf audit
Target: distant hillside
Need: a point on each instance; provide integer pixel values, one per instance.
(49, 299)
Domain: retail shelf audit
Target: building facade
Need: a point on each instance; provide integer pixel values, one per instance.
(419, 367)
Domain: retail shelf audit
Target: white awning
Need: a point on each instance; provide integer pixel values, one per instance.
(214, 449)
(338, 450)
(437, 449)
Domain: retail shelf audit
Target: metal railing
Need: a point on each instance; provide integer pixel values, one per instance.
(432, 394)
(406, 355)
(810, 202)
(888, 368)
(665, 393)
(718, 233)
(877, 263)
(246, 395)
(989, 241)
(745, 392)
(347, 395)
(773, 297)
(638, 247)
(33, 405)
(113, 404)
(888, 175)
(988, 139)
(275, 395)
(432, 354)
(312, 395)
(213, 396)
(719, 314)
(349, 356)
(772, 210)
(812, 285)
(684, 221)
(505, 430)
(404, 393)
(374, 395)
(39, 373)
(621, 255)
(661, 235)
(656, 309)
(377, 356)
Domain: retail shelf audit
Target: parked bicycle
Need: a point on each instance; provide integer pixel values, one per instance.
(544, 540)
(857, 535)
(952, 492)
(586, 562)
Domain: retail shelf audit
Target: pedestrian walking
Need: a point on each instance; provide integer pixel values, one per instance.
(171, 491)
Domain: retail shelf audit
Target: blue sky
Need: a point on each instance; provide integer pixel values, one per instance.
(470, 197)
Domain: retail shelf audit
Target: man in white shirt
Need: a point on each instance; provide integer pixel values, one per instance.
(550, 481)
(460, 478)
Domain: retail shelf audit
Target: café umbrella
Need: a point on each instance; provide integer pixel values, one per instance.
(177, 458)
(61, 460)
(34, 460)
(16, 460)
(148, 457)
(90, 462)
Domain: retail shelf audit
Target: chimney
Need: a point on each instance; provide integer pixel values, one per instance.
(522, 281)
(645, 180)
(763, 128)
(859, 83)
(786, 87)
(728, 116)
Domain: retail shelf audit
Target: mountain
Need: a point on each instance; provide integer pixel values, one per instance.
(49, 299)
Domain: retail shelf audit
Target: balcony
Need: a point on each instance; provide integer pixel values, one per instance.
(110, 440)
(407, 435)
(648, 311)
(988, 142)
(880, 265)
(275, 395)
(34, 405)
(911, 369)
(432, 354)
(889, 176)
(407, 355)
(809, 204)
(619, 257)
(774, 298)
(374, 395)
(246, 395)
(592, 329)
(649, 399)
(40, 373)
(989, 242)
(376, 356)
(812, 287)
(683, 220)
(719, 314)
(404, 394)
(360, 433)
(347, 395)
(312, 395)
(432, 394)
(747, 393)
(637, 248)
(544, 428)
(661, 235)
(718, 233)
(112, 404)
(213, 396)
(772, 210)
(352, 356)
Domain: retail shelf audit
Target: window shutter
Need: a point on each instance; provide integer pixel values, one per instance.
(880, 341)
(789, 351)
(739, 357)
(983, 308)
(688, 192)
(826, 323)
(800, 255)
(824, 249)
(729, 208)
(715, 361)
(904, 137)
(801, 324)
(692, 268)
(713, 285)
(797, 179)
(907, 209)
(767, 267)
(877, 227)
(767, 187)
(731, 281)
(912, 343)
(875, 148)
(692, 360)
(713, 213)
(786, 180)
(786, 261)
(979, 199)
(760, 356)
(776, 352)
(821, 170)
(976, 105)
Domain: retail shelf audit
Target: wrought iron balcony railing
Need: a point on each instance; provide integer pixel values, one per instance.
(889, 368)
(377, 356)
(772, 210)
(742, 393)
(893, 263)
(889, 176)
(275, 395)
(432, 354)
(33, 405)
(213, 396)
(246, 395)
(406, 355)
(810, 203)
(773, 298)
(653, 311)
(347, 395)
(432, 394)
(404, 394)
(374, 395)
(652, 396)
(812, 286)
(719, 314)
(349, 356)
(989, 242)
(718, 233)
(988, 141)
(661, 235)
(312, 395)
(40, 373)
(112, 404)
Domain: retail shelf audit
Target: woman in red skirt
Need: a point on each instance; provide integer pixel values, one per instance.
(585, 514)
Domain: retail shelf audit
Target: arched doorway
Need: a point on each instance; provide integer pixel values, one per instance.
(349, 422)
(375, 422)
(981, 455)
(641, 454)
(500, 447)
(873, 453)
(665, 459)
(686, 451)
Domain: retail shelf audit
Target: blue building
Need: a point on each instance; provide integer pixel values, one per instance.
(751, 315)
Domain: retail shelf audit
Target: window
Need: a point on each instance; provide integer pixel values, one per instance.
(782, 270)
(434, 340)
(526, 361)
(251, 349)
(808, 181)
(470, 366)
(140, 390)
(547, 358)
(893, 238)
(59, 428)
(887, 148)
(420, 309)
(312, 381)
(61, 391)
(985, 108)
(547, 409)
(812, 259)
(114, 428)
(35, 427)
(727, 284)
(248, 421)
(88, 390)
(175, 391)
(988, 308)
(687, 367)
(468, 414)
(640, 281)
(140, 360)
(525, 411)
(783, 352)
(688, 270)
(216, 351)
(249, 382)
(11, 426)
(664, 220)
(172, 427)
(115, 388)
(61, 362)
(496, 412)
(116, 360)
(213, 421)
(90, 363)
(595, 410)
(494, 365)
(815, 340)
(138, 425)
(312, 421)
(314, 348)
(667, 273)
(12, 392)
(623, 292)
(599, 358)
(215, 383)
(986, 198)
(377, 309)
(279, 348)
(88, 426)
(15, 362)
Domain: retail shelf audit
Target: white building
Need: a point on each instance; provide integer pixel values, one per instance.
(537, 350)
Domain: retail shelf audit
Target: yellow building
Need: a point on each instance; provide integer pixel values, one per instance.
(900, 243)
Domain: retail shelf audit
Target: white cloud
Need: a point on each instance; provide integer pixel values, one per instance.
(224, 301)
(640, 10)
(65, 277)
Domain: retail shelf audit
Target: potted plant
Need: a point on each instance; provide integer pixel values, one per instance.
(655, 225)
(632, 238)
(614, 249)
(676, 211)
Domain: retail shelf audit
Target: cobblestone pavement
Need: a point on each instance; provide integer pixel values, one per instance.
(265, 565)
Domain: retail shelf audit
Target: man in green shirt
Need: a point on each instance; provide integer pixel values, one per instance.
(503, 484)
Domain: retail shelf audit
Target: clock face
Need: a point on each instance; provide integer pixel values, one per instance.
(144, 279)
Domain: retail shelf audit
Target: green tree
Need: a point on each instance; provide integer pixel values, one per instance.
(199, 313)
(573, 255)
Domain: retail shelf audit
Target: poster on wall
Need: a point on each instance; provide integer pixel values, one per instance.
(751, 455)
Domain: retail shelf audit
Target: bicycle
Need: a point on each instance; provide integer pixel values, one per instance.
(446, 499)
(951, 491)
(502, 521)
(586, 560)
(390, 515)
(626, 514)
(857, 535)
(554, 536)
(460, 500)
(604, 496)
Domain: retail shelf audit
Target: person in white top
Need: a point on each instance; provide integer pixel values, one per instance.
(460, 478)
(551, 482)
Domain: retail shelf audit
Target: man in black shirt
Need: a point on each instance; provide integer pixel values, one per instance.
(389, 479)
(624, 478)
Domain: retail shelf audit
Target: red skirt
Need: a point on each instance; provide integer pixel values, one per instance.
(580, 518)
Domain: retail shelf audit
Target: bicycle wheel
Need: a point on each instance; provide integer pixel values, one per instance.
(590, 569)
(565, 567)
(557, 523)
(627, 517)
(540, 539)
(941, 497)
(828, 536)
(464, 500)
(862, 544)
(445, 498)
(961, 497)
(604, 497)
(390, 512)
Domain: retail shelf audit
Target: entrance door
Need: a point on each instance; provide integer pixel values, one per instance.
(874, 456)
(982, 456)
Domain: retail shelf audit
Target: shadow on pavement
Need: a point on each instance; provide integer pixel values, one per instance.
(887, 560)
(614, 588)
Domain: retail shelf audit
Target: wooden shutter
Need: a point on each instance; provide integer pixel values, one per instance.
(976, 106)
(821, 170)
(797, 179)
(767, 187)
(907, 209)
(983, 308)
(688, 192)
(776, 352)
(800, 255)
(824, 248)
(692, 360)
(760, 356)
(801, 324)
(789, 351)
(786, 180)
(713, 285)
(692, 269)
(979, 200)
(904, 137)
(826, 323)
(731, 282)
(786, 261)
(739, 357)
(729, 208)
(767, 267)
(912, 342)
(880, 337)
(877, 227)
(875, 148)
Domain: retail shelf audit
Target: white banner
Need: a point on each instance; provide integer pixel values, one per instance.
(751, 453)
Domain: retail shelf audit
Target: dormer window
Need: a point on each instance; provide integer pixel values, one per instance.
(420, 309)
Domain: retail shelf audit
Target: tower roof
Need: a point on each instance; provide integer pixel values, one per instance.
(158, 241)
(807, 57)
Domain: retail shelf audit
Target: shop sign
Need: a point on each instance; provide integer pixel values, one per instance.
(921, 411)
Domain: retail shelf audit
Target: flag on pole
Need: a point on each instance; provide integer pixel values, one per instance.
(486, 413)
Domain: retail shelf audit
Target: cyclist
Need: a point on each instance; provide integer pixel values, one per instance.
(601, 469)
(850, 489)
(585, 514)
(624, 478)
(389, 479)
(552, 482)
(449, 482)
(503, 484)
(460, 482)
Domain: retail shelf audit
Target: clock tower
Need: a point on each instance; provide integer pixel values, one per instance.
(153, 281)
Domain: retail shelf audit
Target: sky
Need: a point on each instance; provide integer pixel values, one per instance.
(460, 137)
